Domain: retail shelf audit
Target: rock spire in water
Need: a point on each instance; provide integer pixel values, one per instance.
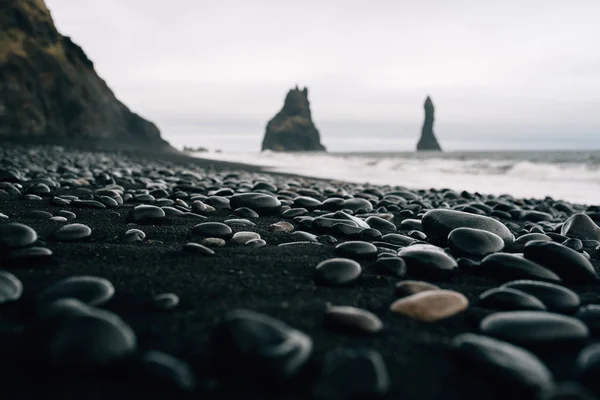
(428, 142)
(292, 129)
(49, 90)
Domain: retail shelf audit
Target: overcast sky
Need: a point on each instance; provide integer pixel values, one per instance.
(526, 68)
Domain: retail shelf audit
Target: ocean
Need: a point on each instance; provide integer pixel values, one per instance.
(566, 175)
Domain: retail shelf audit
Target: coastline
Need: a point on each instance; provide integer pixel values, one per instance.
(277, 281)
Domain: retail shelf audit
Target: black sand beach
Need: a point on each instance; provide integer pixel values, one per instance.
(277, 281)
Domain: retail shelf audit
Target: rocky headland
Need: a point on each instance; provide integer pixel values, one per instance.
(292, 129)
(49, 90)
(428, 142)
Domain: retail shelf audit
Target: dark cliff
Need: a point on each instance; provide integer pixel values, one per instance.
(292, 129)
(49, 89)
(428, 142)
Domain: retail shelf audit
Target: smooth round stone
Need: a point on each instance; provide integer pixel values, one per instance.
(573, 243)
(254, 346)
(239, 222)
(164, 370)
(381, 224)
(581, 226)
(431, 305)
(213, 230)
(165, 301)
(353, 319)
(537, 216)
(58, 219)
(358, 204)
(390, 266)
(337, 271)
(534, 328)
(213, 242)
(86, 341)
(263, 204)
(411, 224)
(512, 365)
(356, 250)
(306, 202)
(427, 261)
(11, 287)
(567, 263)
(327, 239)
(587, 367)
(408, 288)
(218, 202)
(507, 267)
(198, 249)
(528, 237)
(281, 226)
(32, 197)
(91, 290)
(475, 243)
(294, 212)
(256, 243)
(590, 315)
(243, 237)
(72, 233)
(108, 202)
(39, 188)
(133, 236)
(437, 225)
(146, 214)
(351, 374)
(400, 240)
(37, 214)
(172, 211)
(507, 299)
(304, 236)
(555, 297)
(88, 204)
(30, 253)
(369, 235)
(245, 212)
(66, 214)
(14, 235)
(3, 217)
(199, 207)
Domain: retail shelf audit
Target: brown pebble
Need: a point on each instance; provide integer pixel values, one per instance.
(408, 288)
(281, 226)
(431, 306)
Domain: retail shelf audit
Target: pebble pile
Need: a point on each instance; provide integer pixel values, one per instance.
(518, 276)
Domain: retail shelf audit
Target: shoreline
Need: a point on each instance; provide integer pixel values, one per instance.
(277, 281)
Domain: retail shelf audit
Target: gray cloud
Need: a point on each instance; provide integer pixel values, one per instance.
(524, 65)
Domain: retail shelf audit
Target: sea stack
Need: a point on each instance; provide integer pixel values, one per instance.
(292, 129)
(49, 91)
(428, 142)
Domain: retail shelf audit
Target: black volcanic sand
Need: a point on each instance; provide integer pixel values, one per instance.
(278, 281)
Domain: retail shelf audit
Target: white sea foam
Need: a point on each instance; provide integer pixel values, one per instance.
(562, 175)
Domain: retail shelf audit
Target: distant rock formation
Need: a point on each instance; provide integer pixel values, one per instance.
(292, 129)
(49, 89)
(428, 142)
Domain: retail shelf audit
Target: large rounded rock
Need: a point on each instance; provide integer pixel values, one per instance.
(147, 215)
(567, 263)
(262, 203)
(11, 287)
(474, 243)
(213, 230)
(72, 233)
(534, 328)
(506, 267)
(91, 290)
(555, 297)
(254, 346)
(337, 271)
(431, 306)
(353, 319)
(507, 299)
(512, 365)
(581, 226)
(427, 261)
(356, 250)
(14, 235)
(438, 224)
